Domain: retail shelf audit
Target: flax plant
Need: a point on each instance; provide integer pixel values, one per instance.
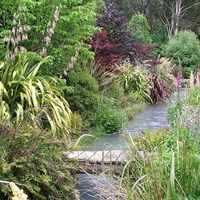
(135, 82)
(105, 78)
(24, 94)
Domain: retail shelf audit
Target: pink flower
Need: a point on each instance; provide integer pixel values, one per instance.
(49, 24)
(14, 21)
(179, 79)
(53, 24)
(22, 49)
(20, 29)
(18, 38)
(6, 39)
(26, 28)
(51, 31)
(10, 56)
(25, 37)
(56, 14)
(13, 42)
(16, 50)
(13, 30)
(43, 52)
(47, 39)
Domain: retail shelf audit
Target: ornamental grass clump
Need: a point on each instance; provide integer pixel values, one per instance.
(135, 82)
(163, 166)
(160, 82)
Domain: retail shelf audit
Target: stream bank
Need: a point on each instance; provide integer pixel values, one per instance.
(152, 118)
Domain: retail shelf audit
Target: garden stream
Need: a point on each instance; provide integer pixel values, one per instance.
(151, 118)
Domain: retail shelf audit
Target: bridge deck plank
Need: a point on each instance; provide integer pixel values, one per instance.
(100, 156)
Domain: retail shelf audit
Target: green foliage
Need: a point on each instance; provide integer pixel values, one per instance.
(172, 114)
(184, 48)
(140, 30)
(189, 69)
(73, 28)
(168, 169)
(166, 162)
(84, 97)
(135, 82)
(24, 94)
(159, 36)
(108, 116)
(33, 158)
(194, 96)
(106, 79)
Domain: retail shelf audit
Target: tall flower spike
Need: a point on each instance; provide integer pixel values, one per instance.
(191, 79)
(197, 81)
(50, 31)
(18, 194)
(18, 33)
(179, 79)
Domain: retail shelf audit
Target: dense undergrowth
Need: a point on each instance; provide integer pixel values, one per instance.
(32, 158)
(85, 71)
(164, 164)
(169, 166)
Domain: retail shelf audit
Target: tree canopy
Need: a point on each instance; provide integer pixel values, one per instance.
(58, 28)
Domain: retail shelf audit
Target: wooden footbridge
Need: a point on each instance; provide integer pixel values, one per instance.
(101, 161)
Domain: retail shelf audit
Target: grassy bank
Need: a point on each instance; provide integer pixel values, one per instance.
(94, 134)
(170, 166)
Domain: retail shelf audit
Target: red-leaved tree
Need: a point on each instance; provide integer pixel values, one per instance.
(115, 43)
(106, 51)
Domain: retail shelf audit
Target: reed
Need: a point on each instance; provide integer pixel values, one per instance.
(168, 169)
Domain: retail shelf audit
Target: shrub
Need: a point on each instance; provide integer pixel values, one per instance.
(106, 51)
(139, 28)
(161, 81)
(161, 87)
(108, 116)
(118, 40)
(33, 158)
(159, 35)
(184, 48)
(84, 96)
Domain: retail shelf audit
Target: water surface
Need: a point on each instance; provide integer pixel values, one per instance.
(153, 117)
